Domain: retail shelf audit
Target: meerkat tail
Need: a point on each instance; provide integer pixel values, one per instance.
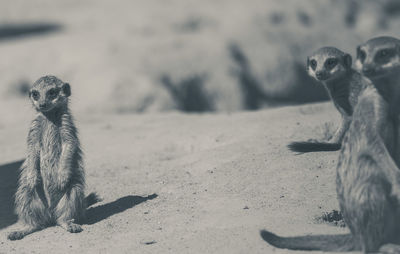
(338, 243)
(92, 199)
(307, 147)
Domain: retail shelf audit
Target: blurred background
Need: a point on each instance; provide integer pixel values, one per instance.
(127, 56)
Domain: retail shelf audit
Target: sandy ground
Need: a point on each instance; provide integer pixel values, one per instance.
(176, 183)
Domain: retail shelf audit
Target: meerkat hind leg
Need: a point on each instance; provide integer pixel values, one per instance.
(19, 234)
(70, 226)
(69, 209)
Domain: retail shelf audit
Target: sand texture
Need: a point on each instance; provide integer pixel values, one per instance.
(178, 183)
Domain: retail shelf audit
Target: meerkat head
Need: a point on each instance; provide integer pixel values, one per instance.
(49, 93)
(378, 56)
(328, 63)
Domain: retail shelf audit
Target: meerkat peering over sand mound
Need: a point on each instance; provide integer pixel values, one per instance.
(332, 68)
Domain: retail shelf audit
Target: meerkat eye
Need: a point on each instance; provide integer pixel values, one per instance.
(35, 95)
(361, 55)
(387, 52)
(52, 93)
(383, 53)
(331, 62)
(313, 64)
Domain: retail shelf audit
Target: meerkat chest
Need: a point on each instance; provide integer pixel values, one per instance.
(340, 97)
(51, 147)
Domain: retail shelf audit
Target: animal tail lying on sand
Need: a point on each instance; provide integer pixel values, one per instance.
(307, 147)
(338, 243)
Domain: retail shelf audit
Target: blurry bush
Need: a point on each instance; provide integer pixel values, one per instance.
(255, 57)
(20, 88)
(193, 56)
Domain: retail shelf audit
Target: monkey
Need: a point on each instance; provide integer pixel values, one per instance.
(368, 178)
(52, 179)
(333, 68)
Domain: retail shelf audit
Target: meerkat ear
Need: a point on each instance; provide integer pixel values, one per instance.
(358, 49)
(66, 89)
(308, 62)
(347, 60)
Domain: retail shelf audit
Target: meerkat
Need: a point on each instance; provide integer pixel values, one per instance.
(332, 68)
(368, 179)
(52, 179)
(378, 59)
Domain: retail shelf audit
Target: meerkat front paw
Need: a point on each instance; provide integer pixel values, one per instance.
(16, 235)
(71, 227)
(74, 228)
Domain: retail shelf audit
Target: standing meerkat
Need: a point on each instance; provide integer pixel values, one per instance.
(332, 68)
(379, 60)
(52, 180)
(368, 179)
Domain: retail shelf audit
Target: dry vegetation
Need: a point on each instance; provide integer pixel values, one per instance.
(216, 55)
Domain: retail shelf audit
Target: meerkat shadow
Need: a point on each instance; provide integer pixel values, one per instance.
(8, 187)
(101, 212)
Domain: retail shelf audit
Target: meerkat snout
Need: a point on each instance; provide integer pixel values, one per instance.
(46, 95)
(322, 75)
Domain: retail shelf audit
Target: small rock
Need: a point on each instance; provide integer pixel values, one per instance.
(148, 242)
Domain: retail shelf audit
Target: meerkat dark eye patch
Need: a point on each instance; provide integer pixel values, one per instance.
(313, 64)
(384, 55)
(35, 95)
(330, 63)
(52, 93)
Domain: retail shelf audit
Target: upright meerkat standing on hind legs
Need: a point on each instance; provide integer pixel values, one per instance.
(379, 60)
(333, 68)
(52, 180)
(368, 179)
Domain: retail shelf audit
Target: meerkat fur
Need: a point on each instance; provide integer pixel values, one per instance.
(52, 179)
(368, 178)
(332, 68)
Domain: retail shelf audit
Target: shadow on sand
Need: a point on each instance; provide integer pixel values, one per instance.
(11, 31)
(8, 186)
(101, 212)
